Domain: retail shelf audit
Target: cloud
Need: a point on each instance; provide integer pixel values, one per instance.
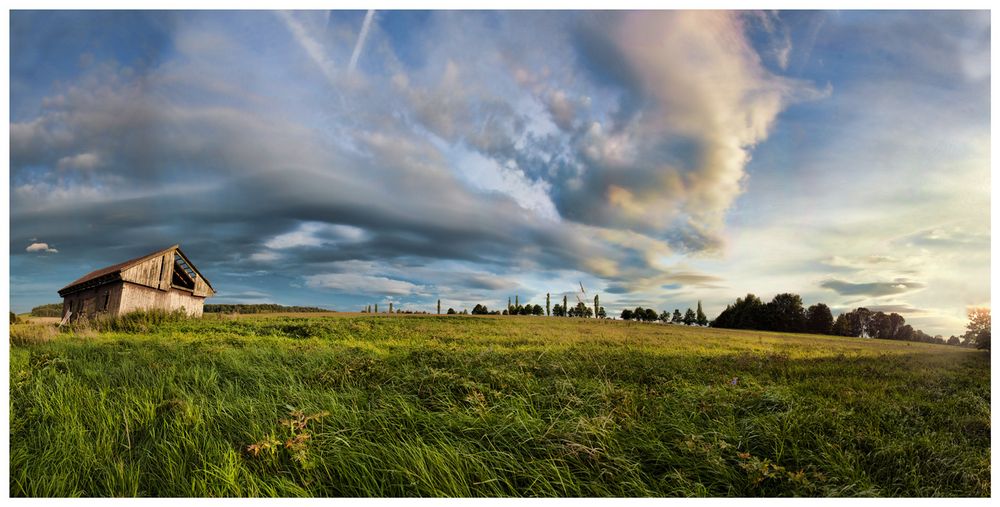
(695, 100)
(40, 248)
(313, 234)
(265, 256)
(948, 236)
(858, 263)
(563, 109)
(82, 161)
(355, 283)
(873, 289)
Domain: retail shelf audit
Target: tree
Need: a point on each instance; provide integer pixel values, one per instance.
(905, 333)
(842, 327)
(597, 305)
(581, 310)
(439, 307)
(677, 318)
(745, 313)
(922, 337)
(566, 305)
(510, 307)
(480, 310)
(879, 326)
(954, 340)
(390, 307)
(627, 314)
(665, 316)
(601, 314)
(639, 313)
(896, 323)
(689, 317)
(784, 313)
(650, 315)
(548, 305)
(978, 328)
(857, 322)
(819, 319)
(537, 310)
(376, 307)
(700, 317)
(558, 311)
(451, 311)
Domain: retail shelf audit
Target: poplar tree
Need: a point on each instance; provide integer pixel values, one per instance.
(565, 303)
(439, 307)
(548, 305)
(376, 307)
(390, 307)
(597, 305)
(700, 316)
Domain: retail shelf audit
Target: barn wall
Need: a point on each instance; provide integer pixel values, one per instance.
(138, 297)
(90, 302)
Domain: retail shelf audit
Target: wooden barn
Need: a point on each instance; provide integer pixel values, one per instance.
(164, 280)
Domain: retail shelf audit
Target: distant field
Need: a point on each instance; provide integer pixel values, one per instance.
(491, 406)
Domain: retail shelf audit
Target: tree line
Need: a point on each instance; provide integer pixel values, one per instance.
(400, 311)
(514, 307)
(260, 308)
(49, 310)
(786, 313)
(690, 317)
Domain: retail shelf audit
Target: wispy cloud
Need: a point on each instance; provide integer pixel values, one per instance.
(360, 44)
(874, 289)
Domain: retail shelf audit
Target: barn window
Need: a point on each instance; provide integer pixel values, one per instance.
(184, 275)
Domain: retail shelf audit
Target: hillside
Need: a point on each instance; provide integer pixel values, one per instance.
(491, 406)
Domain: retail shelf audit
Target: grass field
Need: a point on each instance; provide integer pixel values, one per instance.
(464, 406)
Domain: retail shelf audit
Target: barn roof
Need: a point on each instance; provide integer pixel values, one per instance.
(113, 272)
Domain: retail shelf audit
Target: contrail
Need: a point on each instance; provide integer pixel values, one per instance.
(361, 40)
(312, 47)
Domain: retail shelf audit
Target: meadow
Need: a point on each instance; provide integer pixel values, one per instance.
(376, 405)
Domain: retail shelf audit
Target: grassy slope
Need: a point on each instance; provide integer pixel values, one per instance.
(493, 406)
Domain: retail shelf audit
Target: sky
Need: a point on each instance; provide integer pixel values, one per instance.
(346, 158)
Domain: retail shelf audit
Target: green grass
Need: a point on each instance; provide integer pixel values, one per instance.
(520, 406)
